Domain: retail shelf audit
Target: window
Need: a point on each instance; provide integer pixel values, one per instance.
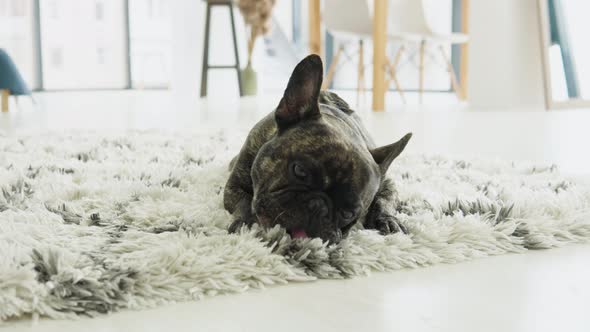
(16, 36)
(52, 9)
(89, 44)
(56, 57)
(83, 43)
(151, 43)
(99, 11)
(19, 8)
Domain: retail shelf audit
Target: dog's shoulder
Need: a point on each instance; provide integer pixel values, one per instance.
(332, 99)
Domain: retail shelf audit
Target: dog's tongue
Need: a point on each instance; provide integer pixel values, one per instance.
(298, 233)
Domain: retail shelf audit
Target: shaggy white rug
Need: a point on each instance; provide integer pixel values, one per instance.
(95, 223)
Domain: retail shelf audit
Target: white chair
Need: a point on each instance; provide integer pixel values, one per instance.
(354, 19)
(407, 17)
(406, 24)
(351, 20)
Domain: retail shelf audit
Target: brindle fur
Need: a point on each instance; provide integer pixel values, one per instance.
(345, 170)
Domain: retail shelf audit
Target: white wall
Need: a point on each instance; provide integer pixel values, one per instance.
(283, 12)
(187, 45)
(505, 68)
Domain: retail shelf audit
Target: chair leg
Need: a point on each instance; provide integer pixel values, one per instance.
(205, 67)
(332, 69)
(237, 56)
(5, 95)
(393, 72)
(454, 83)
(421, 72)
(360, 88)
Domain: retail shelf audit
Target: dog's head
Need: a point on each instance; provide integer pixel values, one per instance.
(313, 178)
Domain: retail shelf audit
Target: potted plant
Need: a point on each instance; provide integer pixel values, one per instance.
(257, 15)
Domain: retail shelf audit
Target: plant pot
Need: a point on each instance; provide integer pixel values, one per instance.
(249, 81)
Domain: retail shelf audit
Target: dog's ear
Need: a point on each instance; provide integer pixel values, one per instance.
(386, 154)
(300, 100)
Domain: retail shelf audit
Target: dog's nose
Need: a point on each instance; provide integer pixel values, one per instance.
(319, 207)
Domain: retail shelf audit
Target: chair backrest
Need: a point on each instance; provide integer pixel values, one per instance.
(10, 78)
(350, 16)
(407, 16)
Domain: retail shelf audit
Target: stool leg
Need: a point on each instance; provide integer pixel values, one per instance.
(360, 86)
(233, 32)
(5, 95)
(421, 72)
(205, 67)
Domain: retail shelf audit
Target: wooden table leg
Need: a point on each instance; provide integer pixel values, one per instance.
(421, 72)
(5, 94)
(379, 56)
(360, 85)
(315, 34)
(463, 66)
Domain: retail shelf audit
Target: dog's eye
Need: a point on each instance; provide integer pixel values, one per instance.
(299, 171)
(347, 220)
(347, 215)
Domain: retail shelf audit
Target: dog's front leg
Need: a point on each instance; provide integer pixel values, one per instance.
(242, 214)
(381, 215)
(237, 196)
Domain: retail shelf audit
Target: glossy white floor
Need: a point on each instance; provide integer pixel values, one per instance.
(537, 291)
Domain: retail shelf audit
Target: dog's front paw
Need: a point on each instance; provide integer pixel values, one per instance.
(238, 223)
(387, 224)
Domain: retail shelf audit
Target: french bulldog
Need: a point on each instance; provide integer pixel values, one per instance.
(311, 167)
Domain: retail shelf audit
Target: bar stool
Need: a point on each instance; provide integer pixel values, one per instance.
(206, 66)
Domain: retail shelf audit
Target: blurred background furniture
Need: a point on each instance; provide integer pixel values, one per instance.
(352, 21)
(407, 19)
(400, 20)
(355, 20)
(206, 66)
(11, 81)
(379, 34)
(407, 25)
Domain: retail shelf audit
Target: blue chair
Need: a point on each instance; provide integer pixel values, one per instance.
(11, 81)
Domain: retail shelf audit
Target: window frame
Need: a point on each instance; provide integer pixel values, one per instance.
(38, 84)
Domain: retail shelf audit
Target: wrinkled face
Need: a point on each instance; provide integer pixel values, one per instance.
(312, 182)
(310, 178)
